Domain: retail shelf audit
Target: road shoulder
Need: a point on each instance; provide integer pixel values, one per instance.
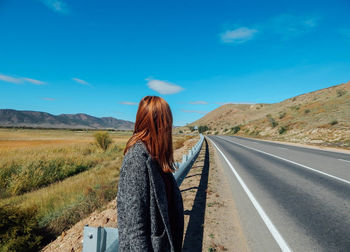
(222, 227)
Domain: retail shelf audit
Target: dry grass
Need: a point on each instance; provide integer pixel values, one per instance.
(314, 126)
(68, 175)
(26, 165)
(31, 156)
(179, 140)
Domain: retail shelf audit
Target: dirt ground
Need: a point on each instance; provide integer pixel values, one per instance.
(72, 239)
(211, 221)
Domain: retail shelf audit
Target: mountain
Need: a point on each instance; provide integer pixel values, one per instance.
(19, 118)
(320, 117)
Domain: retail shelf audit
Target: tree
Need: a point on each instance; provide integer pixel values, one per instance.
(235, 129)
(203, 128)
(191, 128)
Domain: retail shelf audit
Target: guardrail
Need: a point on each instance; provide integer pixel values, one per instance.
(100, 239)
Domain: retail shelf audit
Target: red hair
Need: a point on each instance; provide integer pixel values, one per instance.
(153, 127)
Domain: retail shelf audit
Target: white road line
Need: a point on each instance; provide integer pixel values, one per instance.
(273, 230)
(282, 148)
(287, 160)
(344, 160)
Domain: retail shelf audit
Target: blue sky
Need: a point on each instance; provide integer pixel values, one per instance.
(102, 57)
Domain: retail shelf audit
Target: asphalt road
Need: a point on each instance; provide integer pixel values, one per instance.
(288, 198)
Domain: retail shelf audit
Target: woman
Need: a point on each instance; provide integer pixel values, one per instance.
(149, 202)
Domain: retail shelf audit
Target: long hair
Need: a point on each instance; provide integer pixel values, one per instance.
(153, 127)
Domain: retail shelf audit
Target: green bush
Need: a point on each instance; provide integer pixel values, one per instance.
(341, 92)
(282, 130)
(103, 140)
(272, 121)
(19, 230)
(282, 115)
(191, 128)
(295, 107)
(307, 111)
(203, 128)
(235, 129)
(180, 131)
(334, 122)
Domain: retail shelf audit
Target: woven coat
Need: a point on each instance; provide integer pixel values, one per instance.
(142, 206)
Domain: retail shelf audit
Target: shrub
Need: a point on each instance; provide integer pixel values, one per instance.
(334, 122)
(282, 130)
(341, 92)
(272, 121)
(19, 229)
(180, 131)
(191, 128)
(295, 107)
(235, 129)
(307, 111)
(103, 140)
(226, 129)
(203, 128)
(282, 115)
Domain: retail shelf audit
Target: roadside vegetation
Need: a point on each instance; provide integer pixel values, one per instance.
(53, 179)
(179, 141)
(103, 140)
(30, 168)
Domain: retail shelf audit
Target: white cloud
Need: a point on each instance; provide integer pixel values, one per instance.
(198, 102)
(10, 79)
(129, 103)
(33, 81)
(284, 26)
(19, 80)
(202, 112)
(80, 81)
(239, 35)
(57, 6)
(163, 87)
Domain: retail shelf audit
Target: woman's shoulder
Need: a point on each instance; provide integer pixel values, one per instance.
(137, 152)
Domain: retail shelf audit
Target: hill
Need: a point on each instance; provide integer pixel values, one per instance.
(319, 117)
(35, 119)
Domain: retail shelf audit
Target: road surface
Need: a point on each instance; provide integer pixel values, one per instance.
(288, 198)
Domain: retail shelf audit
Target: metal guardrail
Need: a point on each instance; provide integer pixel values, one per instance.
(105, 239)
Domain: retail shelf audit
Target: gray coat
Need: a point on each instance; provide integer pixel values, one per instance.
(143, 221)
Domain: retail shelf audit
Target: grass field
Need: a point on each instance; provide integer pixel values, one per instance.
(50, 179)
